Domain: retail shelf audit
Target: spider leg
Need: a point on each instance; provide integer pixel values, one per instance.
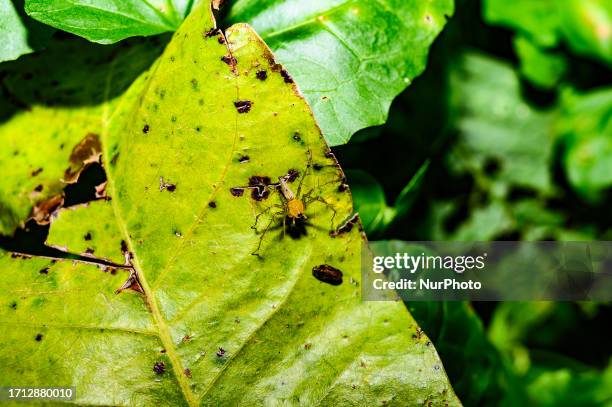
(308, 165)
(263, 234)
(254, 226)
(323, 201)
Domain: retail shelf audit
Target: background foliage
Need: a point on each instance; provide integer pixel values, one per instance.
(513, 122)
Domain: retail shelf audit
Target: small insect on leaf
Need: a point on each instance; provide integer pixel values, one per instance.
(327, 274)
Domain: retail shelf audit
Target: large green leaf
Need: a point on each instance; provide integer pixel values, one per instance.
(349, 57)
(229, 327)
(585, 25)
(107, 21)
(19, 34)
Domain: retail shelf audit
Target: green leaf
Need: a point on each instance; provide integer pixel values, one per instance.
(585, 127)
(371, 204)
(52, 106)
(349, 76)
(498, 126)
(585, 25)
(229, 327)
(459, 336)
(94, 239)
(505, 147)
(543, 69)
(19, 34)
(538, 20)
(107, 21)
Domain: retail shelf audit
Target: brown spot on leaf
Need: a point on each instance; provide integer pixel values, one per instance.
(43, 211)
(145, 129)
(85, 153)
(211, 33)
(87, 236)
(159, 368)
(38, 337)
(38, 188)
(291, 175)
(221, 352)
(327, 274)
(132, 283)
(212, 204)
(166, 185)
(187, 372)
(259, 186)
(243, 159)
(286, 76)
(36, 172)
(347, 226)
(101, 191)
(262, 74)
(228, 59)
(44, 270)
(124, 247)
(243, 106)
(237, 191)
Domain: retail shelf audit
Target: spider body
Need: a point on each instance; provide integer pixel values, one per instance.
(292, 209)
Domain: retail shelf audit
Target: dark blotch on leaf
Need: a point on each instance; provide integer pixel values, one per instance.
(297, 137)
(87, 236)
(221, 352)
(159, 368)
(292, 175)
(237, 191)
(212, 204)
(194, 84)
(286, 76)
(262, 74)
(44, 270)
(347, 226)
(243, 106)
(317, 167)
(244, 159)
(145, 129)
(187, 372)
(166, 185)
(228, 59)
(36, 172)
(38, 188)
(327, 274)
(38, 337)
(259, 187)
(211, 33)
